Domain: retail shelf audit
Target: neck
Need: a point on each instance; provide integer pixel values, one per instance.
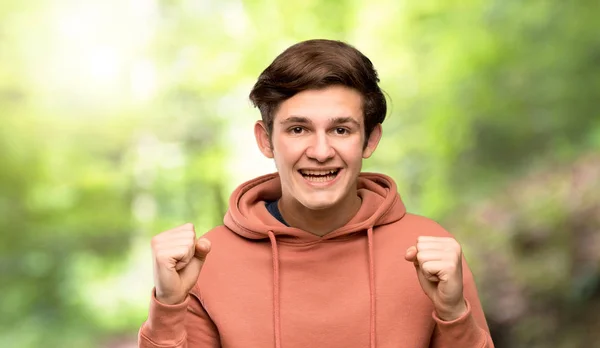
(323, 221)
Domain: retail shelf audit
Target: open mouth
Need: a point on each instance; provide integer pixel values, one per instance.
(319, 175)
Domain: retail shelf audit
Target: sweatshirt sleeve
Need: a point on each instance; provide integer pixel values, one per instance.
(185, 325)
(468, 331)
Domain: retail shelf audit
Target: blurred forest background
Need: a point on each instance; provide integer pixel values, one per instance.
(120, 119)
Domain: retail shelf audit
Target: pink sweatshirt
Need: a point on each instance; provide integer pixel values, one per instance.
(268, 285)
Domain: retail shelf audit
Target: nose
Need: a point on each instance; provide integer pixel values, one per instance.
(320, 150)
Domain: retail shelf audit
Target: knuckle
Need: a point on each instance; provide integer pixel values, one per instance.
(159, 255)
(422, 245)
(428, 268)
(188, 248)
(160, 238)
(155, 241)
(191, 235)
(456, 247)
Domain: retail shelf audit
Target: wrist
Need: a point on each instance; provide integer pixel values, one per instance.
(450, 313)
(169, 300)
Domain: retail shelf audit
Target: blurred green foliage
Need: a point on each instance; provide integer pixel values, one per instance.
(122, 119)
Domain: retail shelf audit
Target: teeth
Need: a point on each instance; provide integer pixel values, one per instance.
(319, 175)
(323, 178)
(318, 172)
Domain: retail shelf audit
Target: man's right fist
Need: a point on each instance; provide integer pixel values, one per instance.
(178, 258)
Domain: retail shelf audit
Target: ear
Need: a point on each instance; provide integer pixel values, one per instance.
(373, 141)
(263, 139)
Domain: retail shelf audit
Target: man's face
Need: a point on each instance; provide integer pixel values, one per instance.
(317, 144)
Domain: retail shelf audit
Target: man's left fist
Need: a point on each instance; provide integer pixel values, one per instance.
(438, 261)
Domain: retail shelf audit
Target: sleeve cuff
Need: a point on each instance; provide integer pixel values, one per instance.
(462, 317)
(461, 329)
(165, 324)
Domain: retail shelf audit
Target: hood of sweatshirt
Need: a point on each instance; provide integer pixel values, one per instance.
(248, 217)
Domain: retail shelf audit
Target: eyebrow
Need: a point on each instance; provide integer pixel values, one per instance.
(296, 119)
(306, 120)
(342, 120)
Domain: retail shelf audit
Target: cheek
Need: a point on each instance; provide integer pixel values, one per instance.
(287, 153)
(351, 152)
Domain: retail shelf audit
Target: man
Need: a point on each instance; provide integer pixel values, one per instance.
(317, 254)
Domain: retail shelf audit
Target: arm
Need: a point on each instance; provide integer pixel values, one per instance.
(184, 325)
(470, 330)
(176, 317)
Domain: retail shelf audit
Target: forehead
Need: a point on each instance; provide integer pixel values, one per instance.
(322, 105)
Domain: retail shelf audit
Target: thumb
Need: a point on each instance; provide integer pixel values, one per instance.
(189, 275)
(411, 254)
(202, 248)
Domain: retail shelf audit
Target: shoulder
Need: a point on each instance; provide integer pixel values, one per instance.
(221, 234)
(417, 225)
(226, 244)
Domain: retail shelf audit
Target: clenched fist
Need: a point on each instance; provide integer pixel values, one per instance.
(438, 261)
(178, 258)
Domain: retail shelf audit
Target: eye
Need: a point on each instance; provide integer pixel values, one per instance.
(296, 130)
(341, 131)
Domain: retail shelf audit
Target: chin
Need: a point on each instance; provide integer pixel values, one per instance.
(319, 204)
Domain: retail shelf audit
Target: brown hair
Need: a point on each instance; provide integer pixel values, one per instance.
(316, 64)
